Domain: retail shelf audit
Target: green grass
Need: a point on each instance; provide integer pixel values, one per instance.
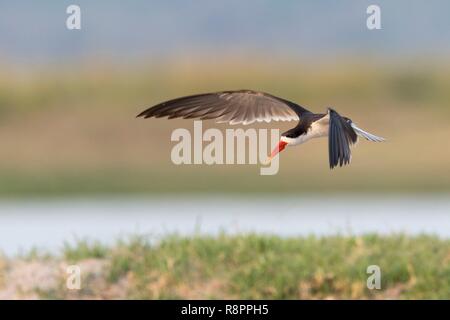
(84, 249)
(269, 267)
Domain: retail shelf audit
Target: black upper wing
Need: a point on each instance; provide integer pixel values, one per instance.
(243, 106)
(340, 136)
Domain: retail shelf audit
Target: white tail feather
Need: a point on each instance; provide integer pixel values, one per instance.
(366, 135)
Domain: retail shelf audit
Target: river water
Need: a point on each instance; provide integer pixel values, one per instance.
(46, 224)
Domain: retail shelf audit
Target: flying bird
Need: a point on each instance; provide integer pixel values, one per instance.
(248, 106)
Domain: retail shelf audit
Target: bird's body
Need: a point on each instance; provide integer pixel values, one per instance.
(248, 106)
(312, 126)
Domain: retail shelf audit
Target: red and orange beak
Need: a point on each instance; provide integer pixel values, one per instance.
(280, 147)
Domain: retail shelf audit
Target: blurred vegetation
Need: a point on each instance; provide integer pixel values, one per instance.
(73, 130)
(253, 267)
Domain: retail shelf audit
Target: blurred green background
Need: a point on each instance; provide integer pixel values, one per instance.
(68, 98)
(75, 132)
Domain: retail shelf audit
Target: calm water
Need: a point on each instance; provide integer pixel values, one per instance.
(47, 224)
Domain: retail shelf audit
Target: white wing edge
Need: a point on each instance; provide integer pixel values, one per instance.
(366, 135)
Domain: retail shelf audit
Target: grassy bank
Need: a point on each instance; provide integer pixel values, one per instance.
(242, 267)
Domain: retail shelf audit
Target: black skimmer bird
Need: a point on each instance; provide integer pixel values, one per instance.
(247, 106)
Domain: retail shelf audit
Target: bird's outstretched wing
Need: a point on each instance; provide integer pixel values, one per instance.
(340, 136)
(234, 107)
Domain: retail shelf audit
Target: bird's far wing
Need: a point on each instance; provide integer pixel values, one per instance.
(243, 106)
(368, 136)
(340, 136)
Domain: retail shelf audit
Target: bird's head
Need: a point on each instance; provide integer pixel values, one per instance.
(284, 141)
